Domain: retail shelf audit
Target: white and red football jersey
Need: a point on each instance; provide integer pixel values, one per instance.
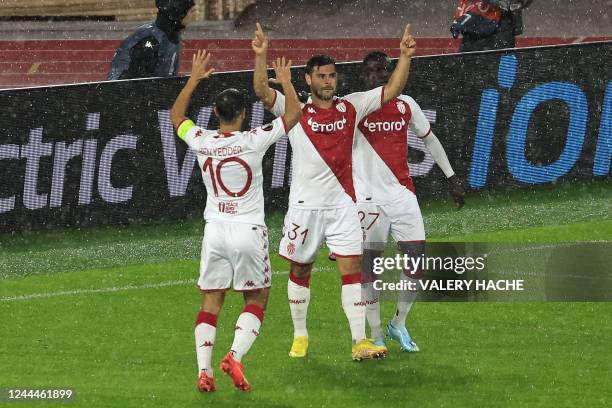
(381, 169)
(231, 169)
(322, 144)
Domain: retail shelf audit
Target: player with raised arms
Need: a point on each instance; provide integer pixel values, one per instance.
(235, 243)
(385, 193)
(322, 198)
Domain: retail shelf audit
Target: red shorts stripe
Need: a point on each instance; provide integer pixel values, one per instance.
(208, 318)
(255, 310)
(305, 282)
(350, 279)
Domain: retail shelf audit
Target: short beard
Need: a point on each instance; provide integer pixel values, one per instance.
(320, 95)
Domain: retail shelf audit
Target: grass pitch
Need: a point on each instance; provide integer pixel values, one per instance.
(109, 313)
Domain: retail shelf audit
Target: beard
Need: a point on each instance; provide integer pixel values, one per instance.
(325, 97)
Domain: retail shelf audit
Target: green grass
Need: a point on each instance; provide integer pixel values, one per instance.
(113, 319)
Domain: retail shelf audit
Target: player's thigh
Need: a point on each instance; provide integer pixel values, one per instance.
(343, 234)
(375, 226)
(406, 219)
(247, 247)
(302, 235)
(215, 268)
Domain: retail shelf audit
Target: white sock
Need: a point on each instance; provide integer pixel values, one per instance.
(353, 306)
(298, 292)
(247, 330)
(205, 333)
(372, 301)
(404, 304)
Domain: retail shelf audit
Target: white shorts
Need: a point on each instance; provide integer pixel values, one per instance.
(305, 230)
(234, 254)
(402, 218)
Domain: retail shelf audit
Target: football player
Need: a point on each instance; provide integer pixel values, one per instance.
(322, 197)
(235, 243)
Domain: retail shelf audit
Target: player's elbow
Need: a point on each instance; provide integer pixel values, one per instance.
(176, 117)
(264, 95)
(292, 118)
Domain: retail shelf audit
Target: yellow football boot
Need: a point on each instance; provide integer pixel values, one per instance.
(366, 349)
(299, 347)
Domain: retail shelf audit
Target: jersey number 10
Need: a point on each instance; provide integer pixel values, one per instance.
(215, 176)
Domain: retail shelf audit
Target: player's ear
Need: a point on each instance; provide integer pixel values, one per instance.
(308, 79)
(216, 112)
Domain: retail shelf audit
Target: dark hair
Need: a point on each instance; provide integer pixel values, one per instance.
(230, 103)
(318, 61)
(376, 69)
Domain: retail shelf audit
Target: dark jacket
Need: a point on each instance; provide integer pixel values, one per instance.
(510, 25)
(488, 24)
(148, 52)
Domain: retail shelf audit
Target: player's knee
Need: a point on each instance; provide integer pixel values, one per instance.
(414, 249)
(349, 265)
(300, 270)
(212, 301)
(367, 264)
(258, 298)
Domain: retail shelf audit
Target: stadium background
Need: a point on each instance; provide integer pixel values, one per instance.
(109, 310)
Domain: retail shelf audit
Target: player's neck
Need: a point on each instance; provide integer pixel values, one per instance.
(229, 127)
(321, 103)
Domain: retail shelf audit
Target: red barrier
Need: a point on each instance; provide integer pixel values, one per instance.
(48, 62)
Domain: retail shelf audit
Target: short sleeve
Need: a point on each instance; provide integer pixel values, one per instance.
(190, 133)
(278, 108)
(266, 135)
(366, 102)
(418, 121)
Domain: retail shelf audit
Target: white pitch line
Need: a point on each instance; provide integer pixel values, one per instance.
(100, 290)
(125, 288)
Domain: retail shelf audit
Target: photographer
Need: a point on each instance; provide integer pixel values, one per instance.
(488, 24)
(154, 50)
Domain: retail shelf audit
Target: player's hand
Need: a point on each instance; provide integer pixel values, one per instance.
(408, 44)
(260, 42)
(282, 69)
(199, 66)
(456, 190)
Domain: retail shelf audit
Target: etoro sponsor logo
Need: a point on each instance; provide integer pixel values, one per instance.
(327, 127)
(385, 126)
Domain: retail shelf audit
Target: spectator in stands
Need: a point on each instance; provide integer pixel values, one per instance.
(154, 50)
(488, 24)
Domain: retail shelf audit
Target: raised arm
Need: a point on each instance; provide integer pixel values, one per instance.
(293, 110)
(397, 81)
(199, 71)
(260, 75)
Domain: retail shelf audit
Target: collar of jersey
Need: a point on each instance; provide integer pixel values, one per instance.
(224, 134)
(334, 101)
